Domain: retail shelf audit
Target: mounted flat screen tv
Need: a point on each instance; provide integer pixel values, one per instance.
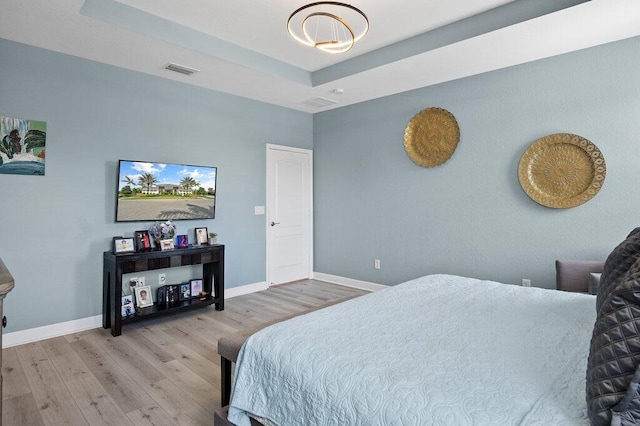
(159, 191)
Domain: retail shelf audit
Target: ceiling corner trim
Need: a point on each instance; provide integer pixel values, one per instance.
(140, 22)
(492, 20)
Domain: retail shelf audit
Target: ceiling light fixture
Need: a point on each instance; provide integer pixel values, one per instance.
(330, 26)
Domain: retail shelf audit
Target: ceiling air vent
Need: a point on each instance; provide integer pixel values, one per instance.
(180, 68)
(319, 102)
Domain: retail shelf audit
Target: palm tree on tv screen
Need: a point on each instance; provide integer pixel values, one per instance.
(187, 183)
(148, 180)
(128, 181)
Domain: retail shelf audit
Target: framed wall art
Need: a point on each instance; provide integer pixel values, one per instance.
(22, 146)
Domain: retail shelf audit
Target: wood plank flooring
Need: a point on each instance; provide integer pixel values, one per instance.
(163, 371)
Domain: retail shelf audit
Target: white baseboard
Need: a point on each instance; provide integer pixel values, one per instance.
(348, 282)
(55, 330)
(49, 331)
(244, 289)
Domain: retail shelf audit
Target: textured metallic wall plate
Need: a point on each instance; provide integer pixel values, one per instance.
(562, 170)
(431, 137)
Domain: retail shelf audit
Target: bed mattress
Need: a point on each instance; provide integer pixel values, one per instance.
(437, 350)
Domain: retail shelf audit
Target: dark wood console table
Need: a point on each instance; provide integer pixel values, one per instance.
(115, 265)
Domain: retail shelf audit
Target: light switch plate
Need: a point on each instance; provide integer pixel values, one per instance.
(259, 210)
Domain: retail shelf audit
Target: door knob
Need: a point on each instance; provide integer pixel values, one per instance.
(275, 223)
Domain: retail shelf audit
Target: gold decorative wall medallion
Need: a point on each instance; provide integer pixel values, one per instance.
(562, 170)
(431, 137)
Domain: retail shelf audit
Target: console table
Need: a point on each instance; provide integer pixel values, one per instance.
(211, 257)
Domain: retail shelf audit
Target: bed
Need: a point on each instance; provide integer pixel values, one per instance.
(460, 351)
(449, 350)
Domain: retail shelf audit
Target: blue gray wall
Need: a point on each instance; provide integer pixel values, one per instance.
(54, 228)
(467, 217)
(470, 216)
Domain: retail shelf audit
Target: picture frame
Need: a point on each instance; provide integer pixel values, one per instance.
(196, 287)
(201, 236)
(171, 292)
(127, 306)
(185, 291)
(166, 245)
(128, 310)
(143, 241)
(161, 295)
(144, 299)
(23, 137)
(183, 241)
(123, 245)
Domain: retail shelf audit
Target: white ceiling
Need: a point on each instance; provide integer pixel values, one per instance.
(261, 25)
(242, 47)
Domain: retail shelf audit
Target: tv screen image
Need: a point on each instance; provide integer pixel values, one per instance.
(162, 191)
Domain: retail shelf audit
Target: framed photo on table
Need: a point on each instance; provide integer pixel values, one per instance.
(171, 293)
(166, 245)
(201, 236)
(185, 291)
(143, 297)
(196, 287)
(123, 245)
(128, 310)
(127, 306)
(143, 242)
(183, 241)
(161, 294)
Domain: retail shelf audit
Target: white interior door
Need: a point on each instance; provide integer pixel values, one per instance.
(289, 214)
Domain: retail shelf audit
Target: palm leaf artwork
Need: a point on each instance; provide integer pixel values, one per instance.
(34, 139)
(22, 146)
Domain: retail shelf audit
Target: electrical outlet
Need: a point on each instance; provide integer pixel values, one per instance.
(526, 282)
(376, 263)
(162, 279)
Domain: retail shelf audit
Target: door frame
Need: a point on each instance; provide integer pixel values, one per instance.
(269, 189)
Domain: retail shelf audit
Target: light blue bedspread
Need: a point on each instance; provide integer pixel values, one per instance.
(438, 350)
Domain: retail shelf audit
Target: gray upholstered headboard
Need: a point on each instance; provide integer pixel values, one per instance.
(580, 276)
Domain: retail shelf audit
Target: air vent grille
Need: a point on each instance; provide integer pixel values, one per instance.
(180, 69)
(319, 102)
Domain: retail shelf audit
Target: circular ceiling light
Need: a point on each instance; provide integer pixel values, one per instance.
(330, 26)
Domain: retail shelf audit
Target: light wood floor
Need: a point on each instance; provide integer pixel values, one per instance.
(163, 371)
